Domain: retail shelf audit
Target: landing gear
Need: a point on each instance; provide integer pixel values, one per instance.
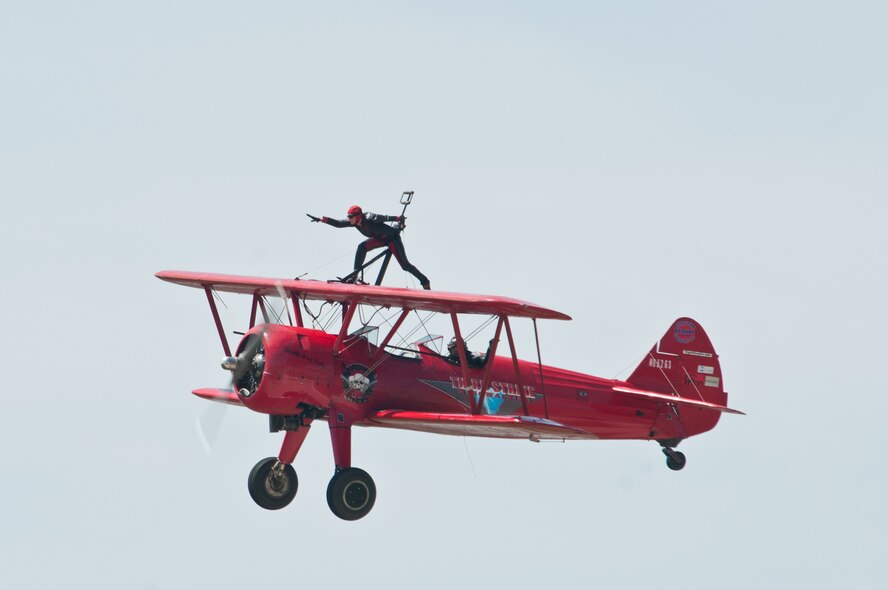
(272, 484)
(675, 460)
(351, 493)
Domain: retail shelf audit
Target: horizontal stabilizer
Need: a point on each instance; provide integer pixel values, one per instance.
(223, 396)
(529, 427)
(674, 399)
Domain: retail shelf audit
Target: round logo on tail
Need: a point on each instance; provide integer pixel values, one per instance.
(685, 332)
(358, 382)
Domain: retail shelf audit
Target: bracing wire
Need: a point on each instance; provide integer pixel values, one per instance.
(315, 322)
(422, 324)
(332, 314)
(370, 319)
(479, 328)
(278, 317)
(220, 300)
(328, 263)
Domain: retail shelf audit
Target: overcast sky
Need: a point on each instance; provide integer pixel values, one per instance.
(625, 163)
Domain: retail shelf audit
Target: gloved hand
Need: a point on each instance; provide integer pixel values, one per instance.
(313, 218)
(402, 221)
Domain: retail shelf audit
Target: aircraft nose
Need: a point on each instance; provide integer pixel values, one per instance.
(248, 366)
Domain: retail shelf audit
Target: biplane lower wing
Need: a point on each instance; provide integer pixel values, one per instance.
(223, 396)
(523, 427)
(674, 399)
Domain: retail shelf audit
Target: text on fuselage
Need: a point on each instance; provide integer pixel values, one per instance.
(496, 388)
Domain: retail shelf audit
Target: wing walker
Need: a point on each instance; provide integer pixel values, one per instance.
(345, 353)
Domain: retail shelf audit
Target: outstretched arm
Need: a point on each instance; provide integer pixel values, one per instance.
(336, 222)
(328, 221)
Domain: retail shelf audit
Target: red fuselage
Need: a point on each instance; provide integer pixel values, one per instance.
(302, 371)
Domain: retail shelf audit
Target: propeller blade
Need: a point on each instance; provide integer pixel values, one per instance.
(209, 424)
(245, 358)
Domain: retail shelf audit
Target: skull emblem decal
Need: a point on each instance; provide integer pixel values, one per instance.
(358, 382)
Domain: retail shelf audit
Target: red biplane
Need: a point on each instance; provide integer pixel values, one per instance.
(298, 373)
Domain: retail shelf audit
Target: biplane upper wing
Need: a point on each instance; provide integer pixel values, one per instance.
(529, 427)
(437, 301)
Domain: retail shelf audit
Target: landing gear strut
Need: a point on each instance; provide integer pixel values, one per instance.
(675, 460)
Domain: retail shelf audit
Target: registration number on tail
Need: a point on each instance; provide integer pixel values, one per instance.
(660, 363)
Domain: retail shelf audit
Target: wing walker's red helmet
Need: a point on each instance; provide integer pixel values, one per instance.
(355, 211)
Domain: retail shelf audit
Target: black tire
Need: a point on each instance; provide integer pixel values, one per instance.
(351, 494)
(676, 461)
(268, 491)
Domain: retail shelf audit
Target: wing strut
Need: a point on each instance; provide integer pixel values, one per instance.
(491, 354)
(380, 352)
(536, 335)
(253, 307)
(263, 309)
(294, 297)
(349, 313)
(209, 291)
(517, 371)
(461, 348)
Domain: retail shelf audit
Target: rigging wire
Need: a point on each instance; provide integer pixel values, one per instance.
(422, 324)
(386, 355)
(228, 313)
(471, 464)
(386, 321)
(315, 322)
(329, 262)
(331, 317)
(627, 367)
(220, 300)
(278, 317)
(479, 328)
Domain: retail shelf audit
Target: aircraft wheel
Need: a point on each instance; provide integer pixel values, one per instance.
(272, 489)
(351, 494)
(675, 460)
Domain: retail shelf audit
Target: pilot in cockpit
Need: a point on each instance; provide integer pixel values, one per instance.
(473, 359)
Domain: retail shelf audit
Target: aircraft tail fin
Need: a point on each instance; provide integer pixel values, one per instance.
(683, 363)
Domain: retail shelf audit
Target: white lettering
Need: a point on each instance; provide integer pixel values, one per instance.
(660, 363)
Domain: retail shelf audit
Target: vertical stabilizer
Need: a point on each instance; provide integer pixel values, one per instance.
(684, 363)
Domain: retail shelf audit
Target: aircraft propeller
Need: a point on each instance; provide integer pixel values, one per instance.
(247, 367)
(209, 424)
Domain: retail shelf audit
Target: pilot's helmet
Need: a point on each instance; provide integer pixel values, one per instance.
(452, 348)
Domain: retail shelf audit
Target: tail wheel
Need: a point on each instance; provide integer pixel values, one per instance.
(675, 460)
(351, 494)
(272, 485)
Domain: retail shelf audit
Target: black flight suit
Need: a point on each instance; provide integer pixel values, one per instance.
(374, 227)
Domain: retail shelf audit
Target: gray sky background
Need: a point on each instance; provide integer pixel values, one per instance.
(626, 163)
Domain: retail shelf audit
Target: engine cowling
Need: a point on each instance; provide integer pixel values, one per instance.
(279, 369)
